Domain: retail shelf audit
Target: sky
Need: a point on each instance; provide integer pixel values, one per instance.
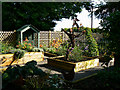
(85, 20)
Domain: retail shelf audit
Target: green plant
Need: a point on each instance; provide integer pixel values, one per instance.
(56, 43)
(54, 82)
(37, 50)
(18, 54)
(20, 73)
(51, 50)
(5, 48)
(76, 54)
(61, 50)
(92, 47)
(25, 46)
(29, 77)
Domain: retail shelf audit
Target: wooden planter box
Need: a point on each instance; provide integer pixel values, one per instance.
(69, 66)
(29, 56)
(49, 54)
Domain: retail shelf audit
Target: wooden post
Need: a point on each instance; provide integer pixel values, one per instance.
(49, 38)
(21, 34)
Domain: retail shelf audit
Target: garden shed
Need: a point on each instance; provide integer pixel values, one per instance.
(30, 32)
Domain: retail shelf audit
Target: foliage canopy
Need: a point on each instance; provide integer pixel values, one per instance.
(39, 14)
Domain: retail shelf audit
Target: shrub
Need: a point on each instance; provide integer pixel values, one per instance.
(75, 54)
(5, 48)
(18, 54)
(92, 47)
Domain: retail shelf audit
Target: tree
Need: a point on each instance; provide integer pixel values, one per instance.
(110, 13)
(39, 14)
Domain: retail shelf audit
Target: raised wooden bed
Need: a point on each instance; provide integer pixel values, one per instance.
(69, 66)
(29, 56)
(49, 54)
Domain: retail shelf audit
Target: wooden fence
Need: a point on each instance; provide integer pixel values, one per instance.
(46, 37)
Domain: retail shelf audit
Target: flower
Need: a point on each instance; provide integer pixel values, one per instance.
(80, 24)
(26, 39)
(29, 44)
(41, 45)
(17, 45)
(72, 48)
(86, 48)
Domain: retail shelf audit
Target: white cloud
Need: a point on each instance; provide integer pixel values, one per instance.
(83, 17)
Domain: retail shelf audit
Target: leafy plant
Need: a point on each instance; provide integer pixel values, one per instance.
(29, 77)
(54, 82)
(5, 48)
(92, 47)
(76, 54)
(19, 53)
(51, 50)
(12, 74)
(61, 50)
(37, 50)
(56, 43)
(25, 45)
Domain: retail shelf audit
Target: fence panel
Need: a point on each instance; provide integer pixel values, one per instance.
(8, 37)
(47, 36)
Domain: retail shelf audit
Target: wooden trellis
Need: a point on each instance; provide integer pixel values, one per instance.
(45, 37)
(8, 37)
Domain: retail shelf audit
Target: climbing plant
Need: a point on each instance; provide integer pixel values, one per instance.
(92, 47)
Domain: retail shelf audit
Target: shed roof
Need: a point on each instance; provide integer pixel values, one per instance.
(26, 27)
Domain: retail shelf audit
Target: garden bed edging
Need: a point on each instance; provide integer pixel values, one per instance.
(29, 56)
(69, 66)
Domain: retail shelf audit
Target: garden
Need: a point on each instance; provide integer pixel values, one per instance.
(21, 66)
(21, 62)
